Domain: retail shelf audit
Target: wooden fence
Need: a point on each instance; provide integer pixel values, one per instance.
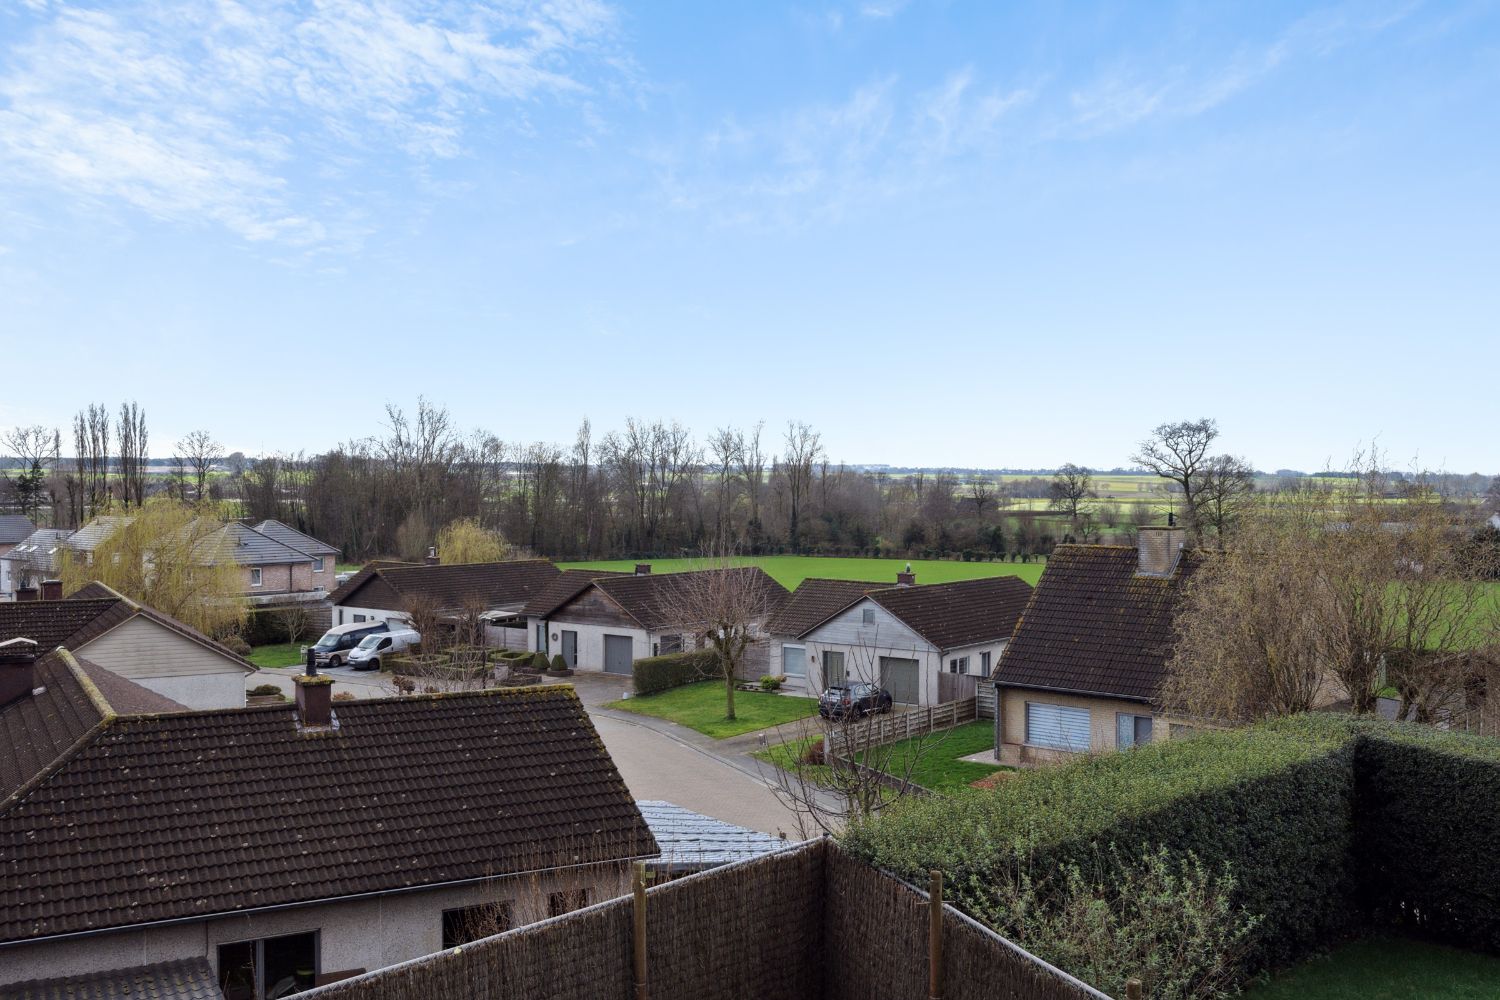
(804, 923)
(874, 730)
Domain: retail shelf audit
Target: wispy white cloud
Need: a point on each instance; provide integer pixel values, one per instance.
(240, 114)
(882, 9)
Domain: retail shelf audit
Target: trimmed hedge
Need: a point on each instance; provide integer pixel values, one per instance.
(655, 674)
(1331, 825)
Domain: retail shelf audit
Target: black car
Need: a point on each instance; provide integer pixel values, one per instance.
(853, 700)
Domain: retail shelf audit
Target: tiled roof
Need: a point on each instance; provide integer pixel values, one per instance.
(243, 545)
(87, 614)
(14, 527)
(200, 813)
(496, 583)
(39, 549)
(76, 696)
(562, 588)
(961, 613)
(88, 537)
(1095, 626)
(691, 841)
(186, 979)
(815, 601)
(649, 598)
(288, 535)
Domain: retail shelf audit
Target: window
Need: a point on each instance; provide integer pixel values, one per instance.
(984, 663)
(833, 668)
(559, 903)
(255, 576)
(360, 618)
(541, 637)
(1181, 731)
(958, 665)
(867, 616)
(1131, 730)
(794, 660)
(470, 923)
(269, 967)
(1058, 727)
(671, 644)
(317, 564)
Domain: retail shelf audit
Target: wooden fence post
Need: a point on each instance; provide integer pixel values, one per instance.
(1133, 989)
(935, 935)
(642, 991)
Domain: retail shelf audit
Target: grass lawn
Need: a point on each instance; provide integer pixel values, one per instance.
(1387, 969)
(792, 570)
(939, 767)
(282, 654)
(701, 707)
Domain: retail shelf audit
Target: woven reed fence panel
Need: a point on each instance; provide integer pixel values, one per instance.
(747, 931)
(877, 939)
(579, 957)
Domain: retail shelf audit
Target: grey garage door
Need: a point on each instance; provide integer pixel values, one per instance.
(899, 677)
(617, 650)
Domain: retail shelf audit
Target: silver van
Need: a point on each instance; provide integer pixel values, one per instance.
(367, 655)
(338, 642)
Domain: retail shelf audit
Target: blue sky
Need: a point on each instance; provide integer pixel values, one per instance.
(944, 234)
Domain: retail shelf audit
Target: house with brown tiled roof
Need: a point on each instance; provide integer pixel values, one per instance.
(924, 644)
(133, 641)
(607, 621)
(1085, 668)
(290, 845)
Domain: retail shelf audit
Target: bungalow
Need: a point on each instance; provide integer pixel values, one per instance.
(30, 561)
(606, 622)
(385, 592)
(1085, 669)
(925, 644)
(132, 641)
(287, 846)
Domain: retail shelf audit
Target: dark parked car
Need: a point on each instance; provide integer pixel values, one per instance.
(854, 700)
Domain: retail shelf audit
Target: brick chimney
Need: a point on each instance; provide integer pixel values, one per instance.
(642, 569)
(906, 578)
(17, 669)
(314, 701)
(1158, 548)
(432, 556)
(26, 593)
(51, 590)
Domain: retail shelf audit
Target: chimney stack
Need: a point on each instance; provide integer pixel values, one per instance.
(906, 578)
(26, 594)
(642, 569)
(314, 701)
(17, 669)
(432, 556)
(51, 590)
(1158, 548)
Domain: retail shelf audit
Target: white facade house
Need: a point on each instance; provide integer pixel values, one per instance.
(924, 644)
(384, 592)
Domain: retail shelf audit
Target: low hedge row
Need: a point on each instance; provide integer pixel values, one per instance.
(662, 673)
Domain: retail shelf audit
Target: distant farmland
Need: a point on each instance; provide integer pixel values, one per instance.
(792, 570)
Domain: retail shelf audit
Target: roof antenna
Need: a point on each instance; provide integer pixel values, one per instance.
(1171, 519)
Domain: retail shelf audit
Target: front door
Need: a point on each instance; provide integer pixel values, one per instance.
(570, 647)
(617, 654)
(899, 677)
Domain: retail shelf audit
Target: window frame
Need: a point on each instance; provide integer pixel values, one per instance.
(958, 665)
(257, 576)
(506, 907)
(801, 659)
(1063, 745)
(1135, 723)
(986, 663)
(318, 564)
(258, 959)
(867, 616)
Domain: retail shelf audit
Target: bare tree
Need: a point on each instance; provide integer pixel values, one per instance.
(197, 453)
(803, 447)
(722, 606)
(295, 621)
(1178, 452)
(1070, 491)
(33, 453)
(1228, 488)
(134, 453)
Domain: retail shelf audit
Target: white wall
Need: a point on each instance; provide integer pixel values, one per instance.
(169, 663)
(344, 615)
(365, 934)
(591, 642)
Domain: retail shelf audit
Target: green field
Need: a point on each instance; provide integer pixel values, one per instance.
(792, 570)
(701, 707)
(1387, 969)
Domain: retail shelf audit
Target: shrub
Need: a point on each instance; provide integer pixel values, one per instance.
(344, 696)
(662, 673)
(539, 661)
(260, 690)
(237, 645)
(559, 665)
(770, 682)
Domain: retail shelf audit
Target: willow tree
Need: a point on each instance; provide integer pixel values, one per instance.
(170, 556)
(467, 541)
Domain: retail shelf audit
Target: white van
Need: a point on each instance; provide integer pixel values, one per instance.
(367, 655)
(338, 642)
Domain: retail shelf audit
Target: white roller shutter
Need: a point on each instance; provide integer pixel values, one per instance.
(1057, 727)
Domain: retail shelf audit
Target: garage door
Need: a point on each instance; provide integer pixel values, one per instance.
(1057, 727)
(899, 677)
(617, 654)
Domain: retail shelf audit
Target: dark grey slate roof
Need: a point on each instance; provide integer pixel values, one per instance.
(186, 979)
(242, 544)
(691, 841)
(288, 535)
(39, 549)
(14, 527)
(88, 537)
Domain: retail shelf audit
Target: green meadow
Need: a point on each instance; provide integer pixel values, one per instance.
(792, 570)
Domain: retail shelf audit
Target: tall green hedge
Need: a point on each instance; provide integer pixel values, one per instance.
(662, 673)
